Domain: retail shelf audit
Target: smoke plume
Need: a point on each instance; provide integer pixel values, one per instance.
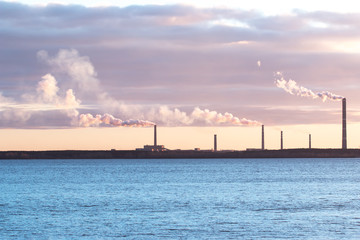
(88, 120)
(198, 116)
(47, 88)
(48, 94)
(83, 76)
(79, 68)
(51, 104)
(213, 117)
(293, 88)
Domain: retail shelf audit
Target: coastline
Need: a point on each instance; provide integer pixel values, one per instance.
(173, 154)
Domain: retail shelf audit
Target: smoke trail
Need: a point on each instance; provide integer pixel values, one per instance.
(70, 99)
(88, 120)
(213, 117)
(169, 117)
(79, 68)
(48, 91)
(198, 116)
(293, 88)
(47, 88)
(83, 74)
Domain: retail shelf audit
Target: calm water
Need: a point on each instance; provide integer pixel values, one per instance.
(180, 199)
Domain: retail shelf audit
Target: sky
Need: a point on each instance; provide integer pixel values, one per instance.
(99, 75)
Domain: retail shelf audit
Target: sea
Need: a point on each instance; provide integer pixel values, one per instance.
(180, 199)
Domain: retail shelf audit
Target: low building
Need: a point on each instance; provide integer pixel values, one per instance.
(152, 148)
(254, 149)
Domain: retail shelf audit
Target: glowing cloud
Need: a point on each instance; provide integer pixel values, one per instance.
(83, 74)
(79, 68)
(88, 120)
(213, 117)
(47, 88)
(293, 88)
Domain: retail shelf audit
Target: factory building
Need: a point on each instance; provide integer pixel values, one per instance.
(160, 148)
(155, 147)
(152, 148)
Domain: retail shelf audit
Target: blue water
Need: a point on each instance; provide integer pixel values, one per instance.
(180, 199)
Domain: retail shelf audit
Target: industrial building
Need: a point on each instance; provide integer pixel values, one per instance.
(159, 151)
(155, 147)
(161, 148)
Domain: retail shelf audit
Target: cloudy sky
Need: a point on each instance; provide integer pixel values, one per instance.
(206, 68)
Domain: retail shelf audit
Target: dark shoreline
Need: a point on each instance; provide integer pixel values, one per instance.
(191, 154)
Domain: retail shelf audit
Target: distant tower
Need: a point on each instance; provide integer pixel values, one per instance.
(344, 142)
(281, 141)
(155, 143)
(215, 143)
(262, 138)
(309, 141)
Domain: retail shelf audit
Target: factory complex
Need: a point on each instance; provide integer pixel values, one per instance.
(159, 151)
(161, 148)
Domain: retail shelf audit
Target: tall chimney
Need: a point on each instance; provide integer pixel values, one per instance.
(155, 143)
(309, 141)
(215, 143)
(344, 142)
(262, 138)
(281, 141)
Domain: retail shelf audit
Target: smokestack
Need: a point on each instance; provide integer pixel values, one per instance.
(155, 143)
(281, 141)
(344, 143)
(262, 138)
(215, 143)
(309, 141)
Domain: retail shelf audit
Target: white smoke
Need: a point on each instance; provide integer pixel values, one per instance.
(71, 104)
(48, 91)
(47, 88)
(170, 117)
(79, 68)
(70, 99)
(88, 120)
(177, 117)
(213, 117)
(48, 94)
(46, 98)
(83, 74)
(293, 88)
